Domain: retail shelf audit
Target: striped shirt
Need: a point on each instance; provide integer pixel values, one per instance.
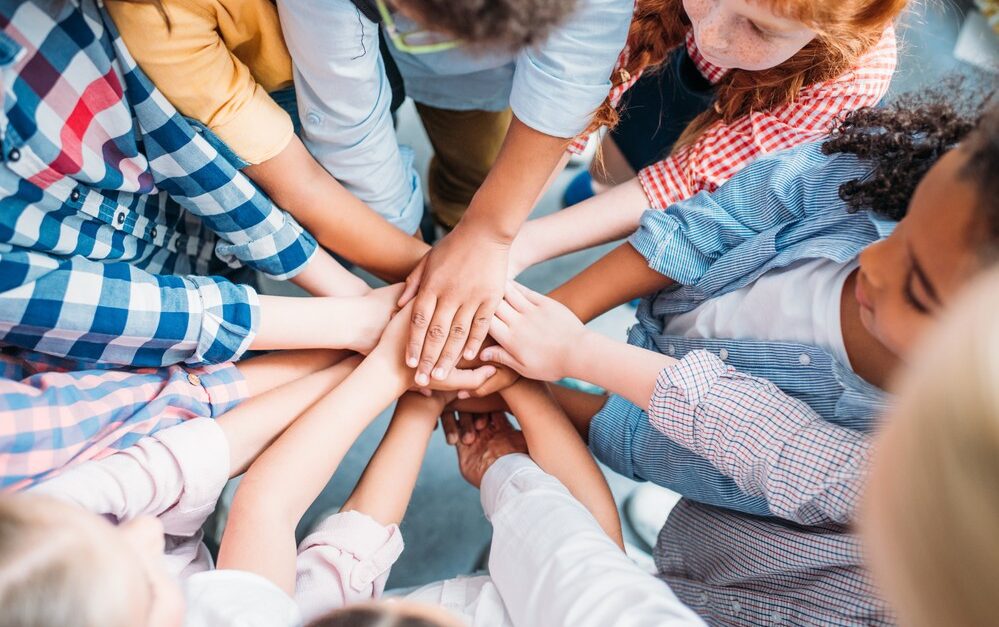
(119, 223)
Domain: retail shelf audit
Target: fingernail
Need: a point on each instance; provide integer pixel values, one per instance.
(490, 370)
(411, 362)
(452, 439)
(470, 354)
(439, 374)
(487, 355)
(463, 395)
(422, 379)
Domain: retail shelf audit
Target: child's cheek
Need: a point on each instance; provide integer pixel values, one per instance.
(696, 10)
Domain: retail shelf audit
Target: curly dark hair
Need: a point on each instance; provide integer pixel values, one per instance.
(506, 24)
(369, 617)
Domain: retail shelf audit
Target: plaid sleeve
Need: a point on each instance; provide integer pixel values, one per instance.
(58, 413)
(250, 227)
(116, 313)
(724, 149)
(772, 445)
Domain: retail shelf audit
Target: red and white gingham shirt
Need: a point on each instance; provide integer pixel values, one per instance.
(724, 149)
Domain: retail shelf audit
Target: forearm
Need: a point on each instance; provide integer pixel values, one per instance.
(579, 406)
(558, 449)
(255, 424)
(524, 167)
(260, 534)
(601, 219)
(336, 218)
(386, 486)
(618, 277)
(323, 276)
(620, 368)
(266, 372)
(319, 322)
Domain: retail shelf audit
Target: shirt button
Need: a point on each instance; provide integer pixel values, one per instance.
(671, 349)
(703, 598)
(804, 359)
(736, 607)
(776, 619)
(74, 195)
(193, 379)
(120, 219)
(723, 354)
(14, 154)
(152, 233)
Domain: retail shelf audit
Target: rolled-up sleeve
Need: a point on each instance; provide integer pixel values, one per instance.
(685, 240)
(119, 314)
(773, 446)
(560, 83)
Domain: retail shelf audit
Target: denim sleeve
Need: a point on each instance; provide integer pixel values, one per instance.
(769, 194)
(558, 84)
(622, 438)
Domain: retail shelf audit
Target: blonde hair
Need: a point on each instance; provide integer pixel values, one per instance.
(942, 499)
(47, 571)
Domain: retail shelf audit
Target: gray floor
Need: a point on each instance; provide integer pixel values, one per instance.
(445, 530)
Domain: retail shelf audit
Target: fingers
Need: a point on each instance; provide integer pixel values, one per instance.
(535, 298)
(506, 312)
(466, 428)
(436, 336)
(413, 282)
(420, 317)
(501, 356)
(451, 352)
(461, 379)
(500, 332)
(480, 329)
(504, 378)
(481, 422)
(516, 296)
(450, 427)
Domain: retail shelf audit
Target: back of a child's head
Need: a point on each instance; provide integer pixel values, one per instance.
(374, 615)
(845, 31)
(47, 574)
(500, 24)
(934, 499)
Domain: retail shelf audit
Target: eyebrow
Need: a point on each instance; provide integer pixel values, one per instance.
(923, 277)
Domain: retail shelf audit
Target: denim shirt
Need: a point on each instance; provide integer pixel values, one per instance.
(781, 209)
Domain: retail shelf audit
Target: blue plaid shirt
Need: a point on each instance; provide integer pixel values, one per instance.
(119, 223)
(781, 209)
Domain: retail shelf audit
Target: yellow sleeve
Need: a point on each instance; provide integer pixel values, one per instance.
(190, 64)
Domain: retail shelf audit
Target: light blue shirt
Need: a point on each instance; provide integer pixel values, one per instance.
(781, 209)
(344, 94)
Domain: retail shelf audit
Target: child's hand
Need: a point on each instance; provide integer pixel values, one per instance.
(497, 440)
(536, 334)
(461, 426)
(374, 310)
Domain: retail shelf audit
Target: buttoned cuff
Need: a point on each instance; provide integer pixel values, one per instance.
(498, 479)
(612, 432)
(374, 546)
(201, 451)
(679, 390)
(258, 130)
(661, 239)
(228, 316)
(223, 384)
(282, 251)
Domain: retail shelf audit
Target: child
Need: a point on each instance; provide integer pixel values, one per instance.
(236, 56)
(177, 475)
(930, 510)
(786, 438)
(738, 80)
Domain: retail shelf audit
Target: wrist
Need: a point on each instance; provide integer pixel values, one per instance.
(583, 351)
(489, 224)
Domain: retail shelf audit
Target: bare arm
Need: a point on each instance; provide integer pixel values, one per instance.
(604, 218)
(557, 448)
(342, 223)
(618, 277)
(386, 486)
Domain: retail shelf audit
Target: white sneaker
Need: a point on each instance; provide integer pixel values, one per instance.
(646, 510)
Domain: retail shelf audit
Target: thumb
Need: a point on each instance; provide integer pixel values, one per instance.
(413, 282)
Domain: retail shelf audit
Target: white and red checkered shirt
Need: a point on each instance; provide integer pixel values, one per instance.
(724, 149)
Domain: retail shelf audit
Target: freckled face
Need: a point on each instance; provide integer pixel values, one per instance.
(739, 34)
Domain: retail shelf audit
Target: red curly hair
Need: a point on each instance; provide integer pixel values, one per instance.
(845, 29)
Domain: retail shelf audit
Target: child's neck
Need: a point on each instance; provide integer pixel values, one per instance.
(868, 357)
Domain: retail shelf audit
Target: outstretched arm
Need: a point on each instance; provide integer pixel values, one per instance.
(557, 448)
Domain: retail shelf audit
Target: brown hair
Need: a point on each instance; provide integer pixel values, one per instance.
(846, 30)
(368, 616)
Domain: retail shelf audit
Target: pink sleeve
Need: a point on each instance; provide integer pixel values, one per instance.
(724, 149)
(346, 559)
(175, 474)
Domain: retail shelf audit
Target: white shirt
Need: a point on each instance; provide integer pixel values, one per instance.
(551, 563)
(799, 303)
